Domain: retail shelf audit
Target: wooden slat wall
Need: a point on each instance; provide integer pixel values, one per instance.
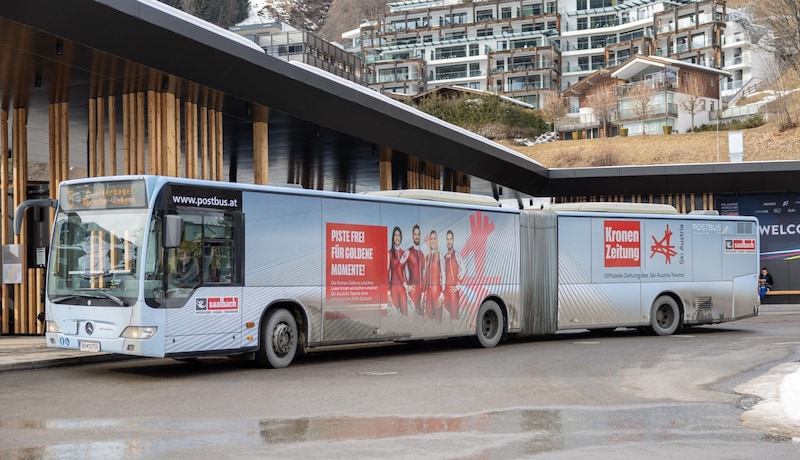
(152, 126)
(412, 173)
(155, 138)
(25, 306)
(683, 202)
(455, 181)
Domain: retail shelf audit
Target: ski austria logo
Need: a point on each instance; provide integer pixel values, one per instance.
(664, 246)
(622, 243)
(210, 305)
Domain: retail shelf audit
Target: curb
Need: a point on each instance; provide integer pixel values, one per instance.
(61, 362)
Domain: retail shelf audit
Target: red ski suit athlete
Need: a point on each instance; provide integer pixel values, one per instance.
(433, 279)
(451, 293)
(397, 296)
(415, 260)
(397, 279)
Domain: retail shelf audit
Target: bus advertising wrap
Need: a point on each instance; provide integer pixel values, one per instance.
(355, 259)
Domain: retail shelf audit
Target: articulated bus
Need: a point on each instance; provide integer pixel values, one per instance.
(168, 267)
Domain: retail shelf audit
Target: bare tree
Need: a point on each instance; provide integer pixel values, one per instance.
(693, 87)
(641, 101)
(785, 106)
(782, 19)
(603, 103)
(554, 107)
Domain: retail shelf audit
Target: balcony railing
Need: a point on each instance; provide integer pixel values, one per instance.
(526, 86)
(665, 28)
(735, 38)
(737, 60)
(655, 111)
(449, 75)
(731, 85)
(645, 85)
(617, 61)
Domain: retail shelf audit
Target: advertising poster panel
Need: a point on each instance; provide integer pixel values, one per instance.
(411, 270)
(634, 250)
(779, 229)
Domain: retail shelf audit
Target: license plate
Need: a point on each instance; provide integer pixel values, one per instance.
(93, 347)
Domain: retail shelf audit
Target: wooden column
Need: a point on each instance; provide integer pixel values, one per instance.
(20, 183)
(171, 136)
(211, 141)
(5, 308)
(92, 141)
(385, 168)
(96, 137)
(205, 163)
(101, 129)
(156, 161)
(126, 133)
(140, 132)
(260, 144)
(413, 179)
(219, 147)
(112, 134)
(190, 137)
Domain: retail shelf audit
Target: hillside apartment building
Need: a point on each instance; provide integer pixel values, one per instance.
(524, 49)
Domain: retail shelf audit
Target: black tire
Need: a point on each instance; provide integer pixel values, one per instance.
(278, 341)
(665, 316)
(489, 331)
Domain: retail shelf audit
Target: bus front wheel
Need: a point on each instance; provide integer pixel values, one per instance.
(278, 339)
(665, 316)
(489, 329)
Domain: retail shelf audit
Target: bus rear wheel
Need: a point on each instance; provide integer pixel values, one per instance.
(278, 339)
(665, 316)
(490, 325)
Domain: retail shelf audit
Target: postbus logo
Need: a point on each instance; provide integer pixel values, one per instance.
(216, 305)
(622, 243)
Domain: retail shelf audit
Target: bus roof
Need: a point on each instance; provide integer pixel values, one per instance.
(640, 208)
(439, 195)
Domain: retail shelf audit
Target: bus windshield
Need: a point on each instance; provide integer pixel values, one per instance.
(93, 259)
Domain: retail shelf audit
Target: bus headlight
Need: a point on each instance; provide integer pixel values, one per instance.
(52, 326)
(139, 332)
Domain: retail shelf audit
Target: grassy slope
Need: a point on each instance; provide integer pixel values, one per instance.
(764, 143)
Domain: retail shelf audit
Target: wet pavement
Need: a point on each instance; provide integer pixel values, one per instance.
(686, 431)
(659, 430)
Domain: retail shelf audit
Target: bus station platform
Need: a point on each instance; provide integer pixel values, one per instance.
(31, 352)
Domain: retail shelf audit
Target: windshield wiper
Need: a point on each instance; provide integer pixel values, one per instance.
(105, 294)
(75, 296)
(108, 295)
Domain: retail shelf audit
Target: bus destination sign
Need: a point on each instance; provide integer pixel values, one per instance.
(103, 195)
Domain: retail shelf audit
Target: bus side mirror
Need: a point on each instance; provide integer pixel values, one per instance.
(172, 231)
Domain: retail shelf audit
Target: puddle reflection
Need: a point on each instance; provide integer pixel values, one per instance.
(501, 434)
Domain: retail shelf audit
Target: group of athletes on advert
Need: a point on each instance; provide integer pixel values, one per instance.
(424, 284)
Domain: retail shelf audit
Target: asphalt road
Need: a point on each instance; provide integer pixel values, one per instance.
(620, 395)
